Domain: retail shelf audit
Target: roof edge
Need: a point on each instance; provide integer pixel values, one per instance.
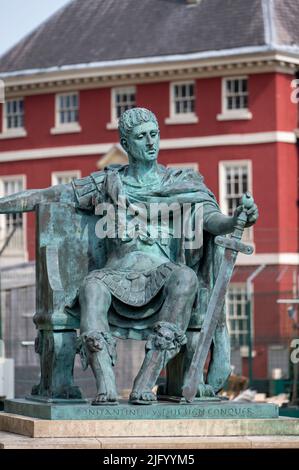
(143, 60)
(287, 54)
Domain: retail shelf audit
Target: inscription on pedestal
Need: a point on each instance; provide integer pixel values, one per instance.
(183, 412)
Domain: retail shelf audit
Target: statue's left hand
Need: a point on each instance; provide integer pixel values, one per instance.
(252, 213)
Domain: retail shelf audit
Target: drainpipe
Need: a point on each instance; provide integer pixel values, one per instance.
(249, 290)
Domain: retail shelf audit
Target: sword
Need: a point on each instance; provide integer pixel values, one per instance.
(232, 246)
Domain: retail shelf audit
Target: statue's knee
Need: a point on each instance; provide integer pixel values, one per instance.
(184, 281)
(94, 288)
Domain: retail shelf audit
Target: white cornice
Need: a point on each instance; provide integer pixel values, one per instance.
(55, 152)
(132, 71)
(206, 57)
(165, 144)
(229, 139)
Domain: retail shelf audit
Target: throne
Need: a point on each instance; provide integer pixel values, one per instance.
(66, 250)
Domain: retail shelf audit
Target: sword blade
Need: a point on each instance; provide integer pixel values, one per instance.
(209, 325)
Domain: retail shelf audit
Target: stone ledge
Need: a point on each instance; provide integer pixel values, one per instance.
(13, 441)
(194, 428)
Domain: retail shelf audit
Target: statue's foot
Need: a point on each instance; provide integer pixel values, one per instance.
(142, 398)
(205, 390)
(105, 399)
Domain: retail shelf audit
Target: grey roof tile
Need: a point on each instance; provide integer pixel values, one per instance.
(285, 19)
(88, 31)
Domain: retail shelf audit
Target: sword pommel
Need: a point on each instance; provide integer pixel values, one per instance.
(247, 200)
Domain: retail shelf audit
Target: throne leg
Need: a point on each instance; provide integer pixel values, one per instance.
(177, 367)
(174, 377)
(57, 350)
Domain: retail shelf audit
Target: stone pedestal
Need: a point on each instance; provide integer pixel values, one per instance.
(160, 426)
(15, 441)
(33, 427)
(199, 409)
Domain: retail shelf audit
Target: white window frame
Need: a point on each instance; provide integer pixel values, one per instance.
(21, 253)
(68, 173)
(15, 132)
(186, 165)
(248, 234)
(131, 89)
(244, 349)
(233, 114)
(180, 118)
(68, 127)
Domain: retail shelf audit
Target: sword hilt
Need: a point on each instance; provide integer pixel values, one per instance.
(234, 243)
(241, 220)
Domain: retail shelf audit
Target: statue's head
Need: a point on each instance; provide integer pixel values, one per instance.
(139, 134)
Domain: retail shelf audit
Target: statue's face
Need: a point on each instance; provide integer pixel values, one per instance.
(143, 142)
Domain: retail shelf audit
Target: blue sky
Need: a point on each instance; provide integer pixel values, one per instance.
(19, 17)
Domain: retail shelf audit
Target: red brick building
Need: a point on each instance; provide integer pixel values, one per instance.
(219, 75)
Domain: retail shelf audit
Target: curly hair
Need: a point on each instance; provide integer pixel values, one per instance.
(133, 117)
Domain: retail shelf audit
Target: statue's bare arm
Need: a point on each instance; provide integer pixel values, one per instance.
(219, 224)
(26, 201)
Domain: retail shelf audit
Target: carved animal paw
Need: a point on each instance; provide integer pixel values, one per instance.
(205, 390)
(105, 399)
(94, 344)
(142, 398)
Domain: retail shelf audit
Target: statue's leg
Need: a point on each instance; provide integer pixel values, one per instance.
(168, 334)
(98, 348)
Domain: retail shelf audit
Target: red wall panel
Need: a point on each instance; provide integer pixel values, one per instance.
(286, 111)
(264, 90)
(274, 193)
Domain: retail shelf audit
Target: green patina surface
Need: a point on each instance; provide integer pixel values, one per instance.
(123, 411)
(290, 411)
(141, 285)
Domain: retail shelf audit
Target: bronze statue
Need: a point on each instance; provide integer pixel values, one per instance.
(150, 287)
